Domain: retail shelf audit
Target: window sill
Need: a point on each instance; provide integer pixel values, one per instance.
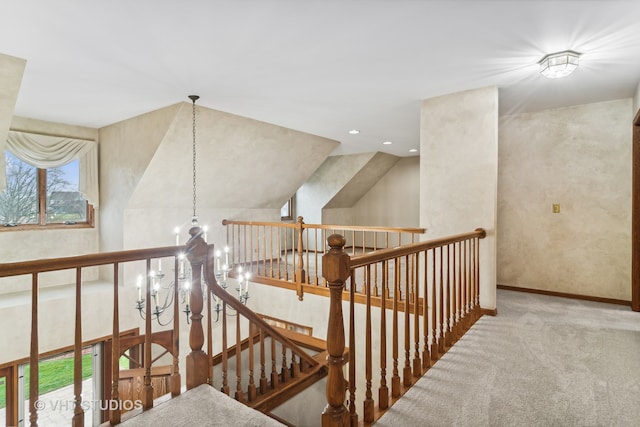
(34, 227)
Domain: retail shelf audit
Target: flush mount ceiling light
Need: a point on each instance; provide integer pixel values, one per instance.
(560, 64)
(387, 143)
(354, 131)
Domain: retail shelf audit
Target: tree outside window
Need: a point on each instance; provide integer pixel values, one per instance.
(41, 196)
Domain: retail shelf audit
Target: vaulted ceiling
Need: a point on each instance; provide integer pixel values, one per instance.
(321, 67)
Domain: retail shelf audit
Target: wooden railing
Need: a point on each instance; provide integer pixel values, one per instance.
(290, 366)
(281, 362)
(290, 254)
(116, 260)
(431, 292)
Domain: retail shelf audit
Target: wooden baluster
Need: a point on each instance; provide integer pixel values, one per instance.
(300, 273)
(225, 351)
(34, 354)
(78, 412)
(395, 379)
(147, 388)
(175, 372)
(252, 391)
(435, 355)
(271, 255)
(454, 297)
(406, 371)
(467, 278)
(368, 401)
(353, 415)
(263, 374)
(477, 282)
(274, 373)
(210, 297)
(250, 266)
(447, 312)
(239, 394)
(426, 355)
(285, 374)
(317, 251)
(376, 291)
(417, 363)
(197, 360)
(295, 365)
(441, 347)
(335, 269)
(383, 391)
(115, 413)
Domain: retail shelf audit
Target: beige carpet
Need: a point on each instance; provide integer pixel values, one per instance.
(543, 361)
(201, 406)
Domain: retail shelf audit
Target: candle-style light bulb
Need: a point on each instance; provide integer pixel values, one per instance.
(218, 260)
(177, 231)
(247, 276)
(139, 286)
(205, 228)
(226, 255)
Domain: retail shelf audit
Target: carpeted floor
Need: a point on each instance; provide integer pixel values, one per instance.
(201, 406)
(543, 361)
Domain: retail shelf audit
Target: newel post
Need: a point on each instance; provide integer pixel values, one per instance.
(300, 273)
(335, 269)
(197, 361)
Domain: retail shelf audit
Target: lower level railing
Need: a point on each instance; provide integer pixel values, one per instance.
(429, 296)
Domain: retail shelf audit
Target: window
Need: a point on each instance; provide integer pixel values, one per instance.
(286, 211)
(40, 197)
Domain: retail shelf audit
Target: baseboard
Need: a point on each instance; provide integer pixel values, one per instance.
(489, 311)
(565, 295)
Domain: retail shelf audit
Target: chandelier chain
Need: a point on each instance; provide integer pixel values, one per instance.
(193, 99)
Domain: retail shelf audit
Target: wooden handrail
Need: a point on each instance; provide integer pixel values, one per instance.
(401, 251)
(416, 230)
(90, 260)
(246, 312)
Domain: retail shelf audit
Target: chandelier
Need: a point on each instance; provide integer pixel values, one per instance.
(163, 295)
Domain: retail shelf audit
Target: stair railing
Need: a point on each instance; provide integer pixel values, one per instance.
(430, 290)
(79, 263)
(241, 344)
(289, 255)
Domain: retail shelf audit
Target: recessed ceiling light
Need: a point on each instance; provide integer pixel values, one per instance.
(413, 150)
(387, 143)
(354, 131)
(560, 64)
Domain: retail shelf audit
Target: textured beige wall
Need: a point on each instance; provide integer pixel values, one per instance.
(394, 201)
(126, 148)
(636, 100)
(327, 180)
(459, 173)
(580, 158)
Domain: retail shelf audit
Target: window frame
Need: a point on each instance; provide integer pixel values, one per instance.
(42, 211)
(289, 216)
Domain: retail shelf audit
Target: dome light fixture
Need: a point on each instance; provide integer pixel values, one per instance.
(559, 64)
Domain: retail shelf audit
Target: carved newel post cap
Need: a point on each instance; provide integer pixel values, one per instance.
(335, 263)
(336, 241)
(196, 246)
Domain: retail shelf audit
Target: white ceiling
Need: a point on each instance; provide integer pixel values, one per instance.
(322, 67)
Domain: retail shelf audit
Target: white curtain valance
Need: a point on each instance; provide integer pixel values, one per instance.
(44, 152)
